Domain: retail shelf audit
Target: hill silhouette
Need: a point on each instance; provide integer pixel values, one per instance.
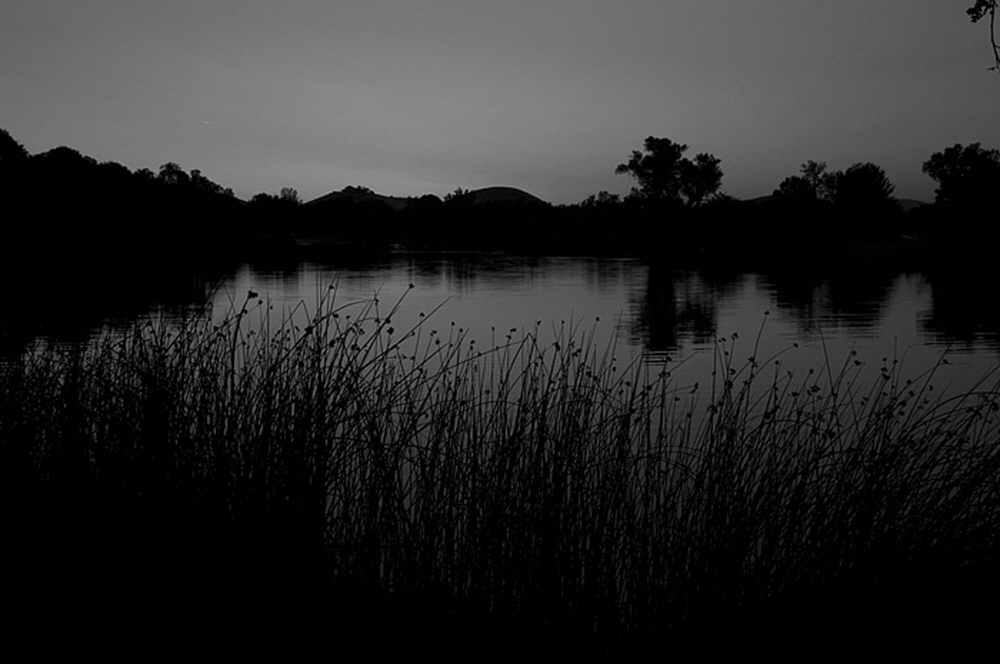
(503, 195)
(361, 195)
(486, 195)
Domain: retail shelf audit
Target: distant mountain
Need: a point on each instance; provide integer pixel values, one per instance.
(484, 195)
(361, 195)
(503, 195)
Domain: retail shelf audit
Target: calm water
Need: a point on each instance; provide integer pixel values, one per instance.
(667, 318)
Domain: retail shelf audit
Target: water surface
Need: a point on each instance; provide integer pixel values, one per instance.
(688, 322)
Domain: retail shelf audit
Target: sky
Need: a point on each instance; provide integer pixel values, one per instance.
(425, 96)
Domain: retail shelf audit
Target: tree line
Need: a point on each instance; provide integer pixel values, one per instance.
(815, 211)
(675, 212)
(63, 207)
(103, 214)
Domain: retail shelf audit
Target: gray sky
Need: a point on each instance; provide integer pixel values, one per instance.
(425, 96)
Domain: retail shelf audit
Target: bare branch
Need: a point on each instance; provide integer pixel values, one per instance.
(976, 13)
(993, 37)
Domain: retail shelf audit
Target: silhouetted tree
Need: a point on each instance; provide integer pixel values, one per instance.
(274, 208)
(822, 182)
(863, 204)
(977, 12)
(262, 199)
(201, 182)
(358, 189)
(665, 175)
(290, 195)
(800, 210)
(602, 198)
(270, 220)
(968, 177)
(702, 178)
(13, 168)
(145, 175)
(64, 159)
(172, 173)
(795, 188)
(424, 207)
(864, 187)
(814, 184)
(458, 196)
(10, 150)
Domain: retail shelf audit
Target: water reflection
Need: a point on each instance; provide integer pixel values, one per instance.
(965, 311)
(653, 311)
(673, 308)
(855, 298)
(657, 313)
(69, 306)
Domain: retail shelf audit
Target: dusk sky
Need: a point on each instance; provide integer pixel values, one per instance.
(425, 96)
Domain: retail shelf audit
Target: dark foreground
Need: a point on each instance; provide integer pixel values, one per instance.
(346, 485)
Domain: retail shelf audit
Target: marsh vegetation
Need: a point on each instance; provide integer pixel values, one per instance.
(516, 488)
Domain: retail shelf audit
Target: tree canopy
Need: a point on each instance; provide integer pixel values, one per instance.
(864, 187)
(967, 176)
(814, 184)
(665, 175)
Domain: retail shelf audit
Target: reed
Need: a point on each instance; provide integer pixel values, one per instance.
(537, 486)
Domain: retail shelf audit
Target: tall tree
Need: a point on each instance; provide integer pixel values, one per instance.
(172, 173)
(864, 205)
(290, 195)
(814, 184)
(968, 176)
(701, 178)
(864, 187)
(665, 175)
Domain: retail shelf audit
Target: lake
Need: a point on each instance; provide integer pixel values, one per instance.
(682, 321)
(863, 318)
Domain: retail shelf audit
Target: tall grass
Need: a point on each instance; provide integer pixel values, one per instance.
(538, 486)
